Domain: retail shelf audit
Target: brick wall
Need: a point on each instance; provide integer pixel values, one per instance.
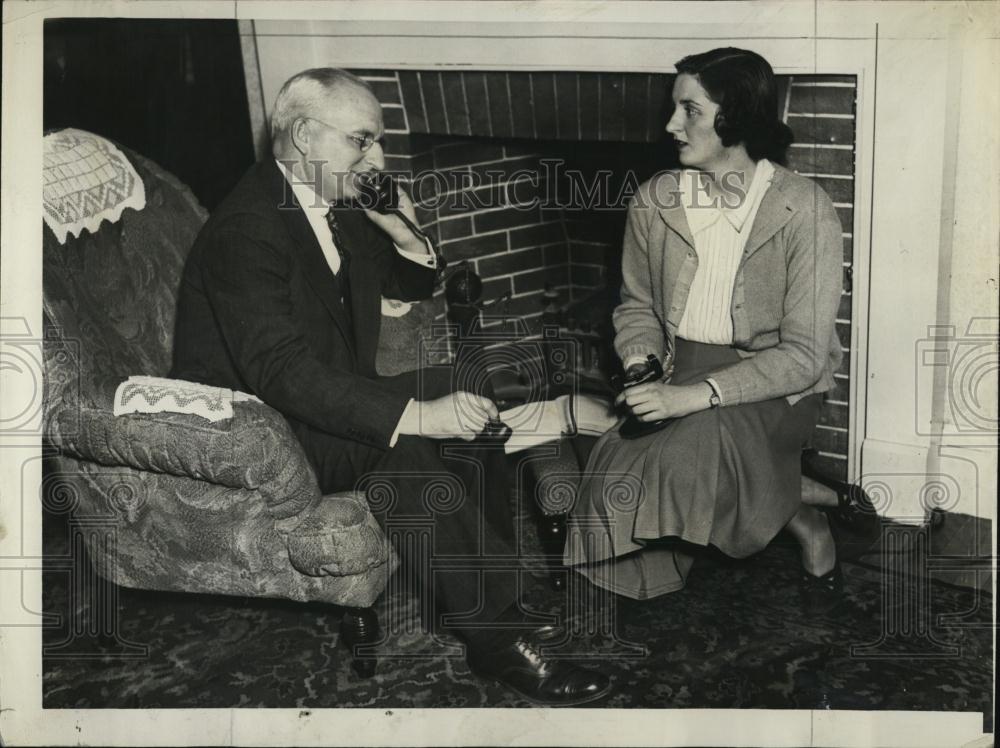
(572, 106)
(821, 112)
(486, 211)
(478, 211)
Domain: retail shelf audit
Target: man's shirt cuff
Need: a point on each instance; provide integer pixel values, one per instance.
(428, 260)
(395, 434)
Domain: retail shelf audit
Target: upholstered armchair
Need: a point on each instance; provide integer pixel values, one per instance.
(174, 501)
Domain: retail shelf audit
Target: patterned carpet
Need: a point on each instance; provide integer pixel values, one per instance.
(736, 637)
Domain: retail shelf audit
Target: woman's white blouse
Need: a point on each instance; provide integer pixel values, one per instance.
(720, 233)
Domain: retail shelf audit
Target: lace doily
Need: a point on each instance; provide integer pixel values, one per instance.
(86, 180)
(142, 394)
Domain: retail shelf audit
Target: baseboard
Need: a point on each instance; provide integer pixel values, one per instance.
(909, 481)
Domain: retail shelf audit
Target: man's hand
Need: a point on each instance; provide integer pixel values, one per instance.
(655, 401)
(460, 415)
(398, 231)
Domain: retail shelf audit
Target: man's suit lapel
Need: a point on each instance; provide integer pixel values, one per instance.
(317, 271)
(366, 296)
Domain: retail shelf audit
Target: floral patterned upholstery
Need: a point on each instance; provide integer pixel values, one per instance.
(183, 504)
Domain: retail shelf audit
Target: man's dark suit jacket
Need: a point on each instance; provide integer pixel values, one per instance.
(259, 311)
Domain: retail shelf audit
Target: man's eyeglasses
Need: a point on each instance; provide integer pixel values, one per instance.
(363, 142)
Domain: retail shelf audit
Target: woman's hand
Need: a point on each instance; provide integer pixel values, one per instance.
(655, 401)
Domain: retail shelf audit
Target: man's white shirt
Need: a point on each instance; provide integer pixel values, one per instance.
(316, 208)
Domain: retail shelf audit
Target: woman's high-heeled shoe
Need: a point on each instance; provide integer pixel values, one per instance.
(855, 522)
(830, 583)
(819, 594)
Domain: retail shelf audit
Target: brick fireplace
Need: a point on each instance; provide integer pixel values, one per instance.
(481, 149)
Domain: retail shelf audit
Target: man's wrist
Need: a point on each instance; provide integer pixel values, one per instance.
(414, 245)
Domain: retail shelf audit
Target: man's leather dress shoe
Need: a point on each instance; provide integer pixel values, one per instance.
(521, 667)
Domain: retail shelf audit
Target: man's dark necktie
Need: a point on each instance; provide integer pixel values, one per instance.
(343, 275)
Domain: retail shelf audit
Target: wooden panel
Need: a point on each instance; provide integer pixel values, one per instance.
(496, 85)
(611, 111)
(458, 109)
(543, 87)
(590, 102)
(567, 102)
(521, 104)
(430, 84)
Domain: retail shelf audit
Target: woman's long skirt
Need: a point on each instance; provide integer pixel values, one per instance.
(728, 477)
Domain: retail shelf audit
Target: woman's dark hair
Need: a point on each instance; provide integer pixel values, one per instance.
(742, 83)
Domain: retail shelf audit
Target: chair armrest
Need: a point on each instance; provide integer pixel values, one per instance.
(253, 450)
(337, 536)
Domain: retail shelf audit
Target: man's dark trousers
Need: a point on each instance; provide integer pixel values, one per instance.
(456, 491)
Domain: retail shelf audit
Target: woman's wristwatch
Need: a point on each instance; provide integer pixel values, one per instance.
(714, 400)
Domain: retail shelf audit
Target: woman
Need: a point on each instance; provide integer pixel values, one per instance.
(732, 277)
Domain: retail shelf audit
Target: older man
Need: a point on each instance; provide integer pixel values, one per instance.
(281, 298)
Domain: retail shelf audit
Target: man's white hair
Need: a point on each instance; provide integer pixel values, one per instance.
(304, 92)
